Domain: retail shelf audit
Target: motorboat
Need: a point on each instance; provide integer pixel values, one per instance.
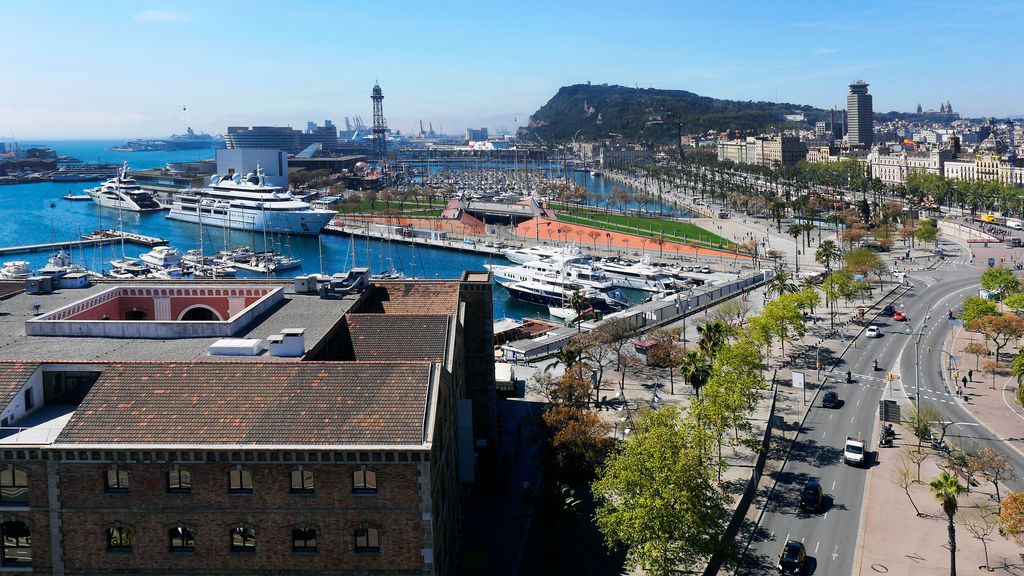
(554, 292)
(250, 204)
(60, 264)
(571, 266)
(123, 193)
(15, 270)
(127, 267)
(638, 275)
(162, 257)
(524, 255)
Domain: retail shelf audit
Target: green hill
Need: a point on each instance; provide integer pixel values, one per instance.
(649, 114)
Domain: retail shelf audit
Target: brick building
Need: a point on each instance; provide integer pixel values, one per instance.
(342, 450)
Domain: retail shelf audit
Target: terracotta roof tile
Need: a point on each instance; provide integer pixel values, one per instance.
(385, 337)
(411, 297)
(13, 376)
(314, 403)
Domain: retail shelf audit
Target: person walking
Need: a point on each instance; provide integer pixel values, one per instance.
(970, 375)
(965, 381)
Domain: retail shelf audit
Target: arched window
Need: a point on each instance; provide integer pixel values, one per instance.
(116, 480)
(243, 539)
(302, 481)
(179, 480)
(182, 539)
(119, 539)
(367, 539)
(199, 314)
(13, 487)
(239, 481)
(304, 540)
(364, 481)
(16, 540)
(135, 314)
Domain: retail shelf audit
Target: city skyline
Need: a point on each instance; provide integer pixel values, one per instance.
(148, 70)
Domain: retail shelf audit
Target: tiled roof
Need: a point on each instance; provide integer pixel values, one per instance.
(384, 337)
(301, 403)
(411, 297)
(13, 376)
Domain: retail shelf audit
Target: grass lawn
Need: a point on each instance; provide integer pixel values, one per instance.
(671, 230)
(423, 213)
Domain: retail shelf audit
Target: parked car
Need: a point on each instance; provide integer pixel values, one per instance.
(899, 316)
(705, 270)
(889, 310)
(812, 496)
(872, 332)
(792, 558)
(830, 400)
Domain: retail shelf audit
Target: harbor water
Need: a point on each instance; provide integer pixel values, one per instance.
(28, 218)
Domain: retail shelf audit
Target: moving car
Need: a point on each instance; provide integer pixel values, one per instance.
(872, 332)
(792, 558)
(853, 452)
(899, 316)
(830, 400)
(888, 310)
(812, 496)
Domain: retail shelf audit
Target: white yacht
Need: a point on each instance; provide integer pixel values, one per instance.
(15, 270)
(60, 264)
(123, 193)
(162, 257)
(127, 267)
(638, 275)
(523, 255)
(553, 292)
(572, 268)
(249, 204)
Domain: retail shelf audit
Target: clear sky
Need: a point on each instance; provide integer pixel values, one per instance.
(73, 69)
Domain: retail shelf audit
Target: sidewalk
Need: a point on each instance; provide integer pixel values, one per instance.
(896, 542)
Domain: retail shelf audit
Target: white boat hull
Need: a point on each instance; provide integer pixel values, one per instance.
(104, 201)
(301, 223)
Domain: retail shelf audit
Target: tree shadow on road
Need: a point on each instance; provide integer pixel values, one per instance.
(815, 454)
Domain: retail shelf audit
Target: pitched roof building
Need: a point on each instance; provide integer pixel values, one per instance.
(290, 431)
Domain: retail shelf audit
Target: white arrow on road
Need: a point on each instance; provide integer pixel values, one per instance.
(835, 553)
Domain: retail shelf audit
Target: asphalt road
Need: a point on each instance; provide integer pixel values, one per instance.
(830, 535)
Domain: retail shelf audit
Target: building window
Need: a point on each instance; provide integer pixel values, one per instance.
(179, 480)
(117, 480)
(182, 539)
(304, 540)
(302, 481)
(364, 481)
(240, 481)
(17, 544)
(119, 539)
(28, 399)
(243, 539)
(13, 487)
(367, 540)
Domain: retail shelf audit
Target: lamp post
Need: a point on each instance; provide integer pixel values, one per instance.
(917, 363)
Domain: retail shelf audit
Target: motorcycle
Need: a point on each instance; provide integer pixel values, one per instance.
(885, 442)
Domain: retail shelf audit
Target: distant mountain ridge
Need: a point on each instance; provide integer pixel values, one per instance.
(651, 114)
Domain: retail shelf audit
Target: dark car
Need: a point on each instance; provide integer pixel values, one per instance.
(889, 310)
(830, 400)
(792, 558)
(811, 497)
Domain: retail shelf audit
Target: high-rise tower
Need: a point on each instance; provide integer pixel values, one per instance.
(859, 114)
(380, 129)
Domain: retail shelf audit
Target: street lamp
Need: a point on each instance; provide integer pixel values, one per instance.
(917, 361)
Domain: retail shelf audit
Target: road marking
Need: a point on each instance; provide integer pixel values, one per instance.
(830, 417)
(833, 486)
(816, 546)
(825, 516)
(858, 402)
(823, 434)
(835, 553)
(851, 420)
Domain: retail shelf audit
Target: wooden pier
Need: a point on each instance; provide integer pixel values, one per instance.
(108, 237)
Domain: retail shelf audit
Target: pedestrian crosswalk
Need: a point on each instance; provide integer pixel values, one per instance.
(879, 383)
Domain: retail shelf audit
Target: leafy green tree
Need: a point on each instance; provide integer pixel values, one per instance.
(807, 299)
(999, 329)
(1000, 279)
(947, 488)
(927, 231)
(1015, 302)
(784, 319)
(864, 261)
(658, 498)
(975, 308)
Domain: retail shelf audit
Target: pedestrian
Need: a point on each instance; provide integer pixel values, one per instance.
(965, 381)
(970, 375)
(959, 392)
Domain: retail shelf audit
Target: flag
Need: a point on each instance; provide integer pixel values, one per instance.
(909, 142)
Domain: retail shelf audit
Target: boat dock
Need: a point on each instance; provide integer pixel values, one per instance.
(93, 239)
(449, 243)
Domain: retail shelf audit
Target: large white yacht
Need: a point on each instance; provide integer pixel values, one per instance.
(638, 275)
(249, 204)
(571, 267)
(123, 193)
(162, 257)
(539, 252)
(554, 292)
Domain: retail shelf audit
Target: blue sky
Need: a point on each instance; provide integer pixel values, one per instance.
(126, 69)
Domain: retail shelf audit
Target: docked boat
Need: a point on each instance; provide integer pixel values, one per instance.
(60, 264)
(203, 266)
(123, 193)
(162, 257)
(15, 270)
(539, 252)
(127, 267)
(553, 292)
(249, 204)
(638, 275)
(572, 267)
(267, 263)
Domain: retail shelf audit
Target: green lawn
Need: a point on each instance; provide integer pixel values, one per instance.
(671, 230)
(424, 213)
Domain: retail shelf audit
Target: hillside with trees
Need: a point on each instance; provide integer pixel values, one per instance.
(652, 115)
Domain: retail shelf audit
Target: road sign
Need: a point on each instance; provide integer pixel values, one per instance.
(888, 411)
(798, 379)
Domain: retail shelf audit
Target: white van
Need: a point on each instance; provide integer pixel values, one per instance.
(1015, 224)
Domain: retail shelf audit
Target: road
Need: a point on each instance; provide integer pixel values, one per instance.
(830, 535)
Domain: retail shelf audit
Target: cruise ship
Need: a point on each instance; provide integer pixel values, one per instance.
(638, 275)
(249, 204)
(123, 193)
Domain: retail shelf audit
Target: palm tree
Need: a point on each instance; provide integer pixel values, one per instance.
(568, 356)
(578, 302)
(796, 231)
(781, 283)
(695, 370)
(713, 336)
(827, 253)
(946, 489)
